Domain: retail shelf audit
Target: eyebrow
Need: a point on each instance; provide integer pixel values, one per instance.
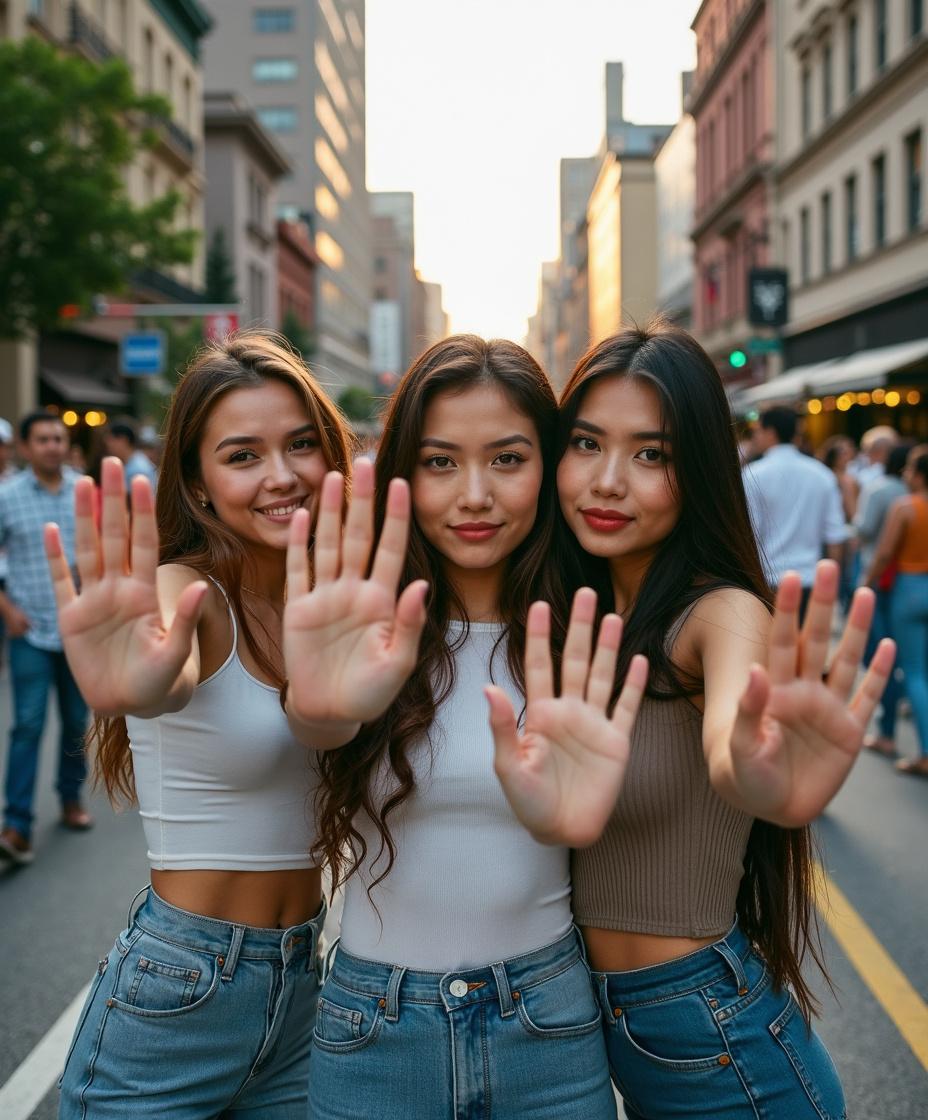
(257, 439)
(597, 431)
(505, 442)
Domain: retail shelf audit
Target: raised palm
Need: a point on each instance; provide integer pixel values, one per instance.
(563, 772)
(349, 642)
(799, 731)
(123, 657)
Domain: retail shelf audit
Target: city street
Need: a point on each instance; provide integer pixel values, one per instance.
(58, 917)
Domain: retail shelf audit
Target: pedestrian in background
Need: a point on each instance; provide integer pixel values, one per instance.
(43, 492)
(120, 439)
(837, 453)
(904, 544)
(875, 446)
(8, 469)
(795, 504)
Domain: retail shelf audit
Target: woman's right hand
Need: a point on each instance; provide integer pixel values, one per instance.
(123, 657)
(350, 643)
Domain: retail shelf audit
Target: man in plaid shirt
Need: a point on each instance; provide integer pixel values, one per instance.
(43, 492)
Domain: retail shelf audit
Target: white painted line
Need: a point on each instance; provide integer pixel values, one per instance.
(42, 1068)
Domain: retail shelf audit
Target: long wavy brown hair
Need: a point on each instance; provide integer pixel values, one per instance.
(712, 545)
(191, 534)
(350, 783)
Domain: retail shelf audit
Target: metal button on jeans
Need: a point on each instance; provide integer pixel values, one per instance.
(458, 988)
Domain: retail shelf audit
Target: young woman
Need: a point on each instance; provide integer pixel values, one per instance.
(459, 986)
(205, 1004)
(696, 901)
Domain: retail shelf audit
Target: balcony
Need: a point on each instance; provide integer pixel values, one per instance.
(85, 34)
(173, 140)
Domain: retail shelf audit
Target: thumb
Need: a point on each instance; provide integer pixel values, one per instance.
(505, 730)
(746, 729)
(186, 619)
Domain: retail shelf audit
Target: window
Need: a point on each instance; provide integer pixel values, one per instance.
(879, 34)
(851, 230)
(805, 246)
(806, 102)
(380, 264)
(256, 291)
(826, 232)
(916, 18)
(747, 112)
(913, 180)
(273, 20)
(827, 98)
(279, 118)
(879, 201)
(169, 76)
(274, 70)
(853, 62)
(148, 61)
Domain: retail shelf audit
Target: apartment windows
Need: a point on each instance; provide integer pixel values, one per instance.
(805, 245)
(747, 113)
(274, 69)
(148, 61)
(853, 57)
(879, 34)
(879, 201)
(806, 102)
(273, 20)
(825, 207)
(827, 84)
(711, 175)
(913, 180)
(279, 118)
(851, 228)
(257, 202)
(916, 17)
(169, 76)
(256, 291)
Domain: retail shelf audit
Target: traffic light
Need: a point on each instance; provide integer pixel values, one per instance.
(737, 359)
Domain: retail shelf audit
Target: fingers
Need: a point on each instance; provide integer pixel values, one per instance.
(86, 537)
(626, 708)
(504, 728)
(782, 644)
(816, 632)
(114, 521)
(358, 536)
(144, 532)
(850, 651)
(575, 666)
(746, 728)
(186, 618)
(327, 540)
(297, 555)
(539, 674)
(390, 558)
(62, 583)
(871, 687)
(601, 680)
(409, 620)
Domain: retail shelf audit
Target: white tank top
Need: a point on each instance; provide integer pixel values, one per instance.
(223, 784)
(469, 885)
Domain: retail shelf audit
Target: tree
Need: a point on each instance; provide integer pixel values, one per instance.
(220, 277)
(358, 404)
(298, 334)
(68, 230)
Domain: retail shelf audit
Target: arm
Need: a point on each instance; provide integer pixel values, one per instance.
(890, 539)
(17, 621)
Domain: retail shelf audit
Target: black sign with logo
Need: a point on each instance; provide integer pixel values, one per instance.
(768, 297)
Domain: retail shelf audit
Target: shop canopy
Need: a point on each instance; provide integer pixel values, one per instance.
(82, 388)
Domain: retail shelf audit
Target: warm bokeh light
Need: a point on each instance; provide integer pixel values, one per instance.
(814, 407)
(828, 404)
(913, 396)
(878, 396)
(94, 419)
(69, 417)
(892, 398)
(844, 402)
(863, 398)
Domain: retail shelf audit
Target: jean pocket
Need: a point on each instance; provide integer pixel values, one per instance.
(160, 979)
(347, 1020)
(562, 1006)
(677, 1034)
(811, 1062)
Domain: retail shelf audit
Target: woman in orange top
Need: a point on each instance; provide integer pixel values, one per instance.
(905, 541)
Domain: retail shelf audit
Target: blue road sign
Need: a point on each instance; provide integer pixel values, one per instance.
(142, 354)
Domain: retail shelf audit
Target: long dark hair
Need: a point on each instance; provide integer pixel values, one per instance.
(349, 775)
(712, 545)
(191, 534)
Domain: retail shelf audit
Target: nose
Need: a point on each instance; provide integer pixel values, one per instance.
(610, 480)
(280, 474)
(476, 492)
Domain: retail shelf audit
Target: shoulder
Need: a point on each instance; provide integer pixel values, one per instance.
(727, 614)
(174, 578)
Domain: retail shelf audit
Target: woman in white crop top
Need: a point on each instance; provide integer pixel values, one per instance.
(204, 1005)
(459, 987)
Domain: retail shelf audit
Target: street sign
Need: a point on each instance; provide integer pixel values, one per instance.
(768, 293)
(216, 328)
(765, 345)
(142, 354)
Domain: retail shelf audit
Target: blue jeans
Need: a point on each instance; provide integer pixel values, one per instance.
(516, 1039)
(194, 1018)
(880, 628)
(708, 1036)
(910, 629)
(33, 672)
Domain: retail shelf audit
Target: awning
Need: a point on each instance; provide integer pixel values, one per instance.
(789, 386)
(81, 388)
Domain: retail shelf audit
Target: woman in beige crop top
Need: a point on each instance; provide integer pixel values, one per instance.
(217, 966)
(689, 899)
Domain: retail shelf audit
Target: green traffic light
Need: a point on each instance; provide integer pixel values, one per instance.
(737, 359)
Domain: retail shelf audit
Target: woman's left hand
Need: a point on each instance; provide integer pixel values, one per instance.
(799, 730)
(563, 772)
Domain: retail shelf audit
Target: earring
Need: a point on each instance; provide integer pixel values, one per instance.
(204, 503)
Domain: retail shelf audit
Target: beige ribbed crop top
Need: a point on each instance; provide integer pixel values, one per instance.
(670, 860)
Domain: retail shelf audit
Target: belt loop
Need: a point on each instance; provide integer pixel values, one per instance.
(393, 994)
(235, 945)
(734, 962)
(506, 1006)
(581, 945)
(130, 915)
(327, 959)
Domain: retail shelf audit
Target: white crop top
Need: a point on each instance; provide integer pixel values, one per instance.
(469, 886)
(222, 783)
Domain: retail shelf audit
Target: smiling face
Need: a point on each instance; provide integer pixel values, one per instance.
(475, 486)
(615, 480)
(260, 460)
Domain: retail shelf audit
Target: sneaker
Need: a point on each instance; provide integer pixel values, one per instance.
(75, 816)
(15, 848)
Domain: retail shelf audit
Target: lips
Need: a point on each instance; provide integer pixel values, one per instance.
(282, 511)
(476, 530)
(605, 520)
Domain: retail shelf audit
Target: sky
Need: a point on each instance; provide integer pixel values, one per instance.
(472, 103)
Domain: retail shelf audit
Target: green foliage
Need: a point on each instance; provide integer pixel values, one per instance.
(220, 277)
(358, 404)
(68, 230)
(300, 337)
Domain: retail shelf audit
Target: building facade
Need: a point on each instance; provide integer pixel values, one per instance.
(296, 274)
(675, 174)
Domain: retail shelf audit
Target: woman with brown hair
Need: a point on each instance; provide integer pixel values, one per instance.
(204, 1005)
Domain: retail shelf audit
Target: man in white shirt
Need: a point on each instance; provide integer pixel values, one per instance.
(795, 503)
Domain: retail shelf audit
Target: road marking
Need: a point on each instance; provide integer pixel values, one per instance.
(877, 969)
(42, 1068)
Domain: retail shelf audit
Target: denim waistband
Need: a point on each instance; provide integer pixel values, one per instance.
(727, 956)
(231, 940)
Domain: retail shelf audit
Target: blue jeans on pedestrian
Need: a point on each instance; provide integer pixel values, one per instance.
(514, 1040)
(880, 628)
(194, 1018)
(709, 1036)
(33, 672)
(910, 629)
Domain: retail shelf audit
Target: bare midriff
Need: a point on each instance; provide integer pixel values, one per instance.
(267, 899)
(610, 950)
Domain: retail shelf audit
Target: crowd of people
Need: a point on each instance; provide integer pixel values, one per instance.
(527, 689)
